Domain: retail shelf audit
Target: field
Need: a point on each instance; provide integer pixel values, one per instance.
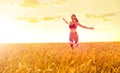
(99, 57)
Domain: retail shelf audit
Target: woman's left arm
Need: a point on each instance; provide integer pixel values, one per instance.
(84, 26)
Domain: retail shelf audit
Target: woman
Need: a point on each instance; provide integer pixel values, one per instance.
(73, 37)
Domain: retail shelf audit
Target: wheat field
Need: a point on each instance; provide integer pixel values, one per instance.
(99, 57)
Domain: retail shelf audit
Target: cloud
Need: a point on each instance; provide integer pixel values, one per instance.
(30, 3)
(51, 18)
(35, 20)
(38, 3)
(58, 2)
(29, 19)
(104, 17)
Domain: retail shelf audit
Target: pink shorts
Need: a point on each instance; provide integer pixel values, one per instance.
(73, 37)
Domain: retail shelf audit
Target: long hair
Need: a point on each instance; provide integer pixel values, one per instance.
(75, 17)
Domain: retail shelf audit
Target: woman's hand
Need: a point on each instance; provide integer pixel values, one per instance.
(92, 28)
(65, 20)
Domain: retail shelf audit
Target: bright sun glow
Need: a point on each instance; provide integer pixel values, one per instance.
(41, 20)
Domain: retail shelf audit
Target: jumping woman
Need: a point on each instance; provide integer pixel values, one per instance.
(73, 37)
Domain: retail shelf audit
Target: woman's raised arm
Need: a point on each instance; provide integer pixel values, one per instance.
(84, 26)
(65, 21)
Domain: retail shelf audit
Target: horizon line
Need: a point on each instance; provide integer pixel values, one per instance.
(58, 42)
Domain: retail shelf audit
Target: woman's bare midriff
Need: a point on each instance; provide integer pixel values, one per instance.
(72, 30)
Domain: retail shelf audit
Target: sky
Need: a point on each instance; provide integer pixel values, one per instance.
(36, 21)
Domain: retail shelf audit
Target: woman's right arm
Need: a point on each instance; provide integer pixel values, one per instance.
(65, 21)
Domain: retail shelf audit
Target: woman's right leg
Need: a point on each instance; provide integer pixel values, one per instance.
(71, 39)
(76, 38)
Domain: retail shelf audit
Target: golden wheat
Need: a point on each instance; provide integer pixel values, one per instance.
(60, 58)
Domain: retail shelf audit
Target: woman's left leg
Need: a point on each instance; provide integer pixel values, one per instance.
(76, 38)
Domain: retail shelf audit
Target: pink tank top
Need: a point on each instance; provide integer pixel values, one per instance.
(72, 26)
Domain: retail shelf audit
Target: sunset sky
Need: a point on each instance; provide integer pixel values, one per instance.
(33, 21)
